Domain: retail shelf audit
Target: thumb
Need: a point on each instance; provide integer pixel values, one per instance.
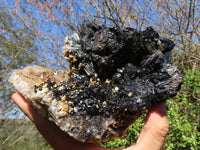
(152, 136)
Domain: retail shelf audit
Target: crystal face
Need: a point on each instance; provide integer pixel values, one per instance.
(114, 75)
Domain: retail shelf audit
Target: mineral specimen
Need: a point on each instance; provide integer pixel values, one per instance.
(114, 75)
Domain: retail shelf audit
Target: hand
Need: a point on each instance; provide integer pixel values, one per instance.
(151, 137)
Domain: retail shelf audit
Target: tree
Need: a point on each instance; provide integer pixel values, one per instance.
(44, 25)
(17, 49)
(175, 19)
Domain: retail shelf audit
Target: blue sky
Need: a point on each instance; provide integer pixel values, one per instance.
(51, 32)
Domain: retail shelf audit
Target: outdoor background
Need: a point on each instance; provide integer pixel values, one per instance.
(32, 32)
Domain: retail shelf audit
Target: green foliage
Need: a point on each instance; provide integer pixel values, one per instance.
(184, 114)
(184, 118)
(130, 137)
(17, 44)
(184, 124)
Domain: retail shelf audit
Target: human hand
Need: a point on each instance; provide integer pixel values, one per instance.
(151, 137)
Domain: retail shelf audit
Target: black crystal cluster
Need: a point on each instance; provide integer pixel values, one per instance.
(124, 68)
(115, 73)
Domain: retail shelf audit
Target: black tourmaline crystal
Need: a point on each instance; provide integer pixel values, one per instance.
(115, 74)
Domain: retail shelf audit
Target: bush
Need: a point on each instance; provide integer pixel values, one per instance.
(183, 114)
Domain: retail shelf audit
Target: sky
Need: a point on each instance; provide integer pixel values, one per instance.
(49, 32)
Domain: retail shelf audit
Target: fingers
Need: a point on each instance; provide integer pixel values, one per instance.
(24, 106)
(152, 135)
(53, 135)
(154, 131)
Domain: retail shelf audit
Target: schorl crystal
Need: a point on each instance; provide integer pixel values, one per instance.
(114, 75)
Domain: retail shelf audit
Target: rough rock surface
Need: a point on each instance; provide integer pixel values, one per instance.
(114, 75)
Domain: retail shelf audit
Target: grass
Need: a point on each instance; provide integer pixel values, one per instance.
(20, 134)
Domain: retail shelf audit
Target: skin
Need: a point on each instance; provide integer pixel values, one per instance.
(152, 136)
